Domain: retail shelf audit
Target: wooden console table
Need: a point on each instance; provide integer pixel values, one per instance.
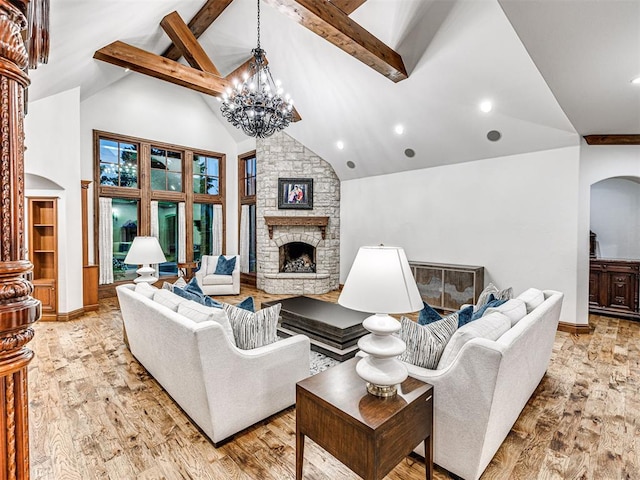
(369, 434)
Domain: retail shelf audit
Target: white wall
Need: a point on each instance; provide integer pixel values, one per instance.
(144, 107)
(52, 129)
(515, 215)
(598, 162)
(615, 217)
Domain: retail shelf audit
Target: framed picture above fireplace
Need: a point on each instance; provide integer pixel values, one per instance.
(295, 193)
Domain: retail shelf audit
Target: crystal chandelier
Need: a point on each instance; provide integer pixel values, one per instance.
(256, 105)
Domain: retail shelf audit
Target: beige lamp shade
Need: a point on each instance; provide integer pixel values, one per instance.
(380, 281)
(145, 251)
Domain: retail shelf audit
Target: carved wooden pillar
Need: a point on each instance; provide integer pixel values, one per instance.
(18, 310)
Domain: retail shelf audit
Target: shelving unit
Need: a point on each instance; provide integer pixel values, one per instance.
(43, 253)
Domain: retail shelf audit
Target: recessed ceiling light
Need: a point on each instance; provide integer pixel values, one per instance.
(340, 144)
(399, 129)
(410, 152)
(494, 135)
(350, 164)
(127, 70)
(486, 106)
(636, 81)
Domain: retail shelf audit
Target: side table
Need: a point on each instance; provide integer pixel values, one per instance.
(369, 434)
(186, 270)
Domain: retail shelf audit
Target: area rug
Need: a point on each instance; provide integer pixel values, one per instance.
(319, 362)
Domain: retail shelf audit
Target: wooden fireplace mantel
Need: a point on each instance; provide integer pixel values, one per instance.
(320, 222)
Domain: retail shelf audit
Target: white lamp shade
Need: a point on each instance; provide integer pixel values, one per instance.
(380, 281)
(145, 251)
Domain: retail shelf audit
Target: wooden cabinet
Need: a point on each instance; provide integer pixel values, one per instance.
(613, 287)
(43, 253)
(448, 286)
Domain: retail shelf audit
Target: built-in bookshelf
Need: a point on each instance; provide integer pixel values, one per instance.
(43, 253)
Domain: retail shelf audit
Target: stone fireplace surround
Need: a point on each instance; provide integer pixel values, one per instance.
(281, 156)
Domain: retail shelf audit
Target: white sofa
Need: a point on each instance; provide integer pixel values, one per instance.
(480, 394)
(212, 284)
(222, 388)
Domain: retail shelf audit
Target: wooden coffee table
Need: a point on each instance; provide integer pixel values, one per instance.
(333, 329)
(369, 434)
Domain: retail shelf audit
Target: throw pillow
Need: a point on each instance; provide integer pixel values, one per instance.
(178, 283)
(490, 327)
(425, 343)
(247, 304)
(225, 266)
(490, 289)
(197, 312)
(143, 288)
(491, 303)
(253, 330)
(192, 286)
(201, 298)
(429, 315)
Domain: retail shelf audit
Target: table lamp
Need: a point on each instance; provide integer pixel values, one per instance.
(380, 282)
(145, 251)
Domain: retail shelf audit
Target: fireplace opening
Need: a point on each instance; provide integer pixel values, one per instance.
(297, 257)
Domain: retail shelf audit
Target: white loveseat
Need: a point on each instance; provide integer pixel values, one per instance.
(212, 284)
(222, 388)
(480, 394)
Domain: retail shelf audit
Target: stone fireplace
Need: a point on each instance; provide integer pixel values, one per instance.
(308, 239)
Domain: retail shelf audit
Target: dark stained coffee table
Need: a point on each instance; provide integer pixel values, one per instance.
(333, 329)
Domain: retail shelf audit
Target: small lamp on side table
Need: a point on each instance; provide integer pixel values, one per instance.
(145, 251)
(381, 282)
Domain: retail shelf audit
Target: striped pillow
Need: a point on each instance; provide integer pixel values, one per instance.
(253, 330)
(425, 343)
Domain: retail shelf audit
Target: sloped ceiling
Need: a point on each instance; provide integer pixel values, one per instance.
(458, 53)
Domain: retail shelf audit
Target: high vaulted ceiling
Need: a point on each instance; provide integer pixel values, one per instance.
(554, 70)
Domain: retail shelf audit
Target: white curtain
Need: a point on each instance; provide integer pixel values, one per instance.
(105, 241)
(244, 239)
(182, 233)
(155, 228)
(216, 230)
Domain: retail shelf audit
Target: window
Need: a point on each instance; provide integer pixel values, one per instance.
(202, 230)
(125, 228)
(166, 170)
(135, 172)
(118, 163)
(206, 174)
(247, 174)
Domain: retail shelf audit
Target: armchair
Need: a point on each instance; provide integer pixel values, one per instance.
(212, 284)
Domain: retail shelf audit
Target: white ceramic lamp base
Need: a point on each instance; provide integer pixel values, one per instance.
(145, 273)
(381, 369)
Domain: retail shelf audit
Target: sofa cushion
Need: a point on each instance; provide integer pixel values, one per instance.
(490, 327)
(143, 288)
(201, 313)
(425, 343)
(217, 280)
(168, 299)
(515, 309)
(532, 298)
(225, 265)
(429, 315)
(253, 330)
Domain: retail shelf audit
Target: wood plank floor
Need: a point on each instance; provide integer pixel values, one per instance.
(95, 413)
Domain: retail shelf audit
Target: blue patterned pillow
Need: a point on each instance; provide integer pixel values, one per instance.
(492, 302)
(192, 291)
(225, 266)
(188, 295)
(193, 287)
(429, 315)
(247, 304)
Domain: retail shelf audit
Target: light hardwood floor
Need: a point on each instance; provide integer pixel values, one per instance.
(96, 413)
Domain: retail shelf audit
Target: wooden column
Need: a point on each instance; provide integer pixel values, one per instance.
(18, 310)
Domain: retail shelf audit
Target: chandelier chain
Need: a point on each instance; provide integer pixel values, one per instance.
(258, 24)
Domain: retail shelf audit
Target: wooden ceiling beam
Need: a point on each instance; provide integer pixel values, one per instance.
(186, 42)
(612, 139)
(348, 6)
(199, 23)
(332, 24)
(127, 56)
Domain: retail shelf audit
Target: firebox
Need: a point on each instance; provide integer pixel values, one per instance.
(297, 257)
